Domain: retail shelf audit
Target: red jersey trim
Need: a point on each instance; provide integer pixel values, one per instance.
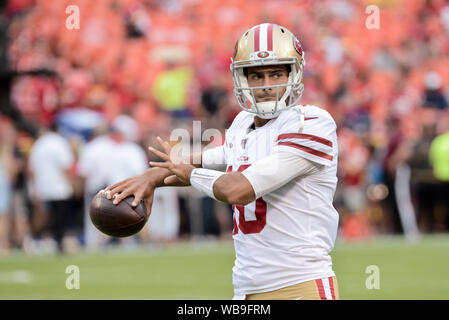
(307, 149)
(305, 136)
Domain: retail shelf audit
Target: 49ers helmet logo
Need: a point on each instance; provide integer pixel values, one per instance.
(298, 46)
(263, 54)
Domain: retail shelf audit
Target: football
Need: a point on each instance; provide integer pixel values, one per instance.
(122, 220)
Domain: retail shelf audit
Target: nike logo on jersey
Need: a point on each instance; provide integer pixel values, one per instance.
(310, 118)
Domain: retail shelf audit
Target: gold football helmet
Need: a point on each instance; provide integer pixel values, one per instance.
(262, 45)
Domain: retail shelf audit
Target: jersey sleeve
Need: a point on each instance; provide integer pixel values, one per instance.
(314, 139)
(214, 158)
(277, 169)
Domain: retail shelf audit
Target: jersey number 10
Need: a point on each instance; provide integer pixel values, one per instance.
(260, 211)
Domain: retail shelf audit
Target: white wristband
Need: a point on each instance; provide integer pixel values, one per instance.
(203, 180)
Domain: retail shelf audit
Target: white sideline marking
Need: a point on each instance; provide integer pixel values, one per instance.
(17, 276)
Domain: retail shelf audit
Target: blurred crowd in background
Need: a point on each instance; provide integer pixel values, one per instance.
(79, 107)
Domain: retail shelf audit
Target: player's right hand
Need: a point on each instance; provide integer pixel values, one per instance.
(141, 187)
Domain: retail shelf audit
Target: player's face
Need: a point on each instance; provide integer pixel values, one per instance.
(267, 76)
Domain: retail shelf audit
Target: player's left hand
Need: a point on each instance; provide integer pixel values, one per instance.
(181, 170)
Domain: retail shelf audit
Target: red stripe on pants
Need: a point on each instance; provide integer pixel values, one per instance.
(331, 285)
(320, 286)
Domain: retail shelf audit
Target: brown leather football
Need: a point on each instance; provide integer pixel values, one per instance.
(120, 220)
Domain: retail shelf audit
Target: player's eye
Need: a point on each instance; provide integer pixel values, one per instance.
(254, 76)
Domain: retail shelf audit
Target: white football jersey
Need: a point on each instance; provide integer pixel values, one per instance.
(285, 236)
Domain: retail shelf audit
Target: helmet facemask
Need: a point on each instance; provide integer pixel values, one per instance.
(268, 109)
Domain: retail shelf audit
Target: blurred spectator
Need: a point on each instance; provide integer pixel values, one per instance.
(214, 98)
(434, 96)
(395, 154)
(164, 222)
(355, 158)
(130, 159)
(51, 167)
(353, 174)
(18, 213)
(95, 167)
(137, 21)
(171, 89)
(439, 159)
(439, 156)
(6, 171)
(111, 156)
(5, 197)
(424, 183)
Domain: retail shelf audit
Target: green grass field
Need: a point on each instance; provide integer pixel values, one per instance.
(203, 271)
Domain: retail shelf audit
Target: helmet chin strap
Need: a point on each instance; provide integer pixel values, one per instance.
(270, 105)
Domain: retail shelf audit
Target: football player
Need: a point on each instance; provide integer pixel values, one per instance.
(277, 167)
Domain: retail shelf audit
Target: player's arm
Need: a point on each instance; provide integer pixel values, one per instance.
(260, 178)
(233, 188)
(143, 185)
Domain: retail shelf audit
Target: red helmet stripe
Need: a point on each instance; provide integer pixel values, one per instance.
(256, 39)
(270, 37)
